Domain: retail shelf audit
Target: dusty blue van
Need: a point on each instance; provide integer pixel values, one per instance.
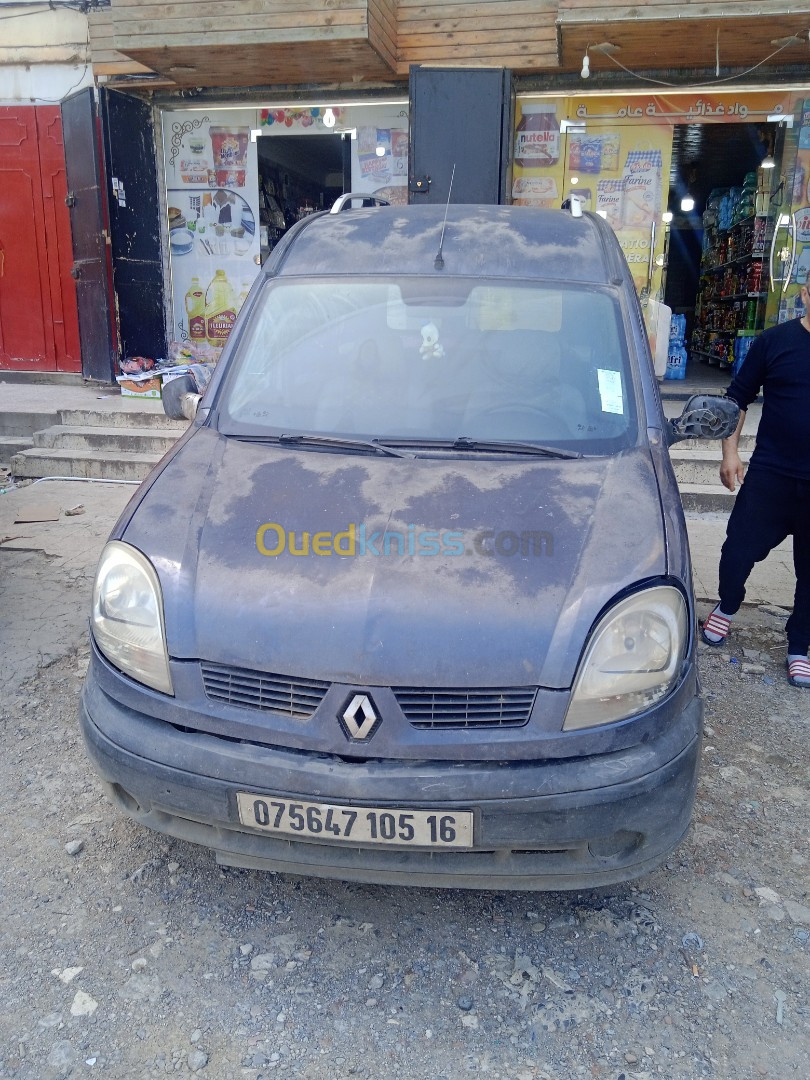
(411, 600)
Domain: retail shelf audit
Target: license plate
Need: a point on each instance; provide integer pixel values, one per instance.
(357, 824)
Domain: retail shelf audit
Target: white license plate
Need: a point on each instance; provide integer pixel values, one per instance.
(357, 824)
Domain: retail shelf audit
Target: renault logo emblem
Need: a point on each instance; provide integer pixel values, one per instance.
(359, 718)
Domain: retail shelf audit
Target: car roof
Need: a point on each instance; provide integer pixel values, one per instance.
(480, 241)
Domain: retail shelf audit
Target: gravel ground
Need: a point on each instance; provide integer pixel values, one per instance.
(127, 955)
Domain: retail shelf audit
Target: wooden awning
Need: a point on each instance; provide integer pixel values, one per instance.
(667, 37)
(255, 42)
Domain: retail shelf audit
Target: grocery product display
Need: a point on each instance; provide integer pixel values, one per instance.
(676, 354)
(730, 305)
(220, 309)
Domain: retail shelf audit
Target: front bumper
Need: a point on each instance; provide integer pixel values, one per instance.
(554, 824)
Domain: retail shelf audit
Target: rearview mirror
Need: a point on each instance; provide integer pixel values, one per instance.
(704, 417)
(180, 398)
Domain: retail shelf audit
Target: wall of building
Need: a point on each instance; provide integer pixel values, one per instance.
(44, 52)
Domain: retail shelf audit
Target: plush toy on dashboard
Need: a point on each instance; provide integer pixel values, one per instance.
(430, 349)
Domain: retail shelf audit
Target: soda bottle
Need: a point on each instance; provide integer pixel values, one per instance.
(220, 309)
(195, 309)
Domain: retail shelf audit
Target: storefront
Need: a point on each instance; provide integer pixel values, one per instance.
(706, 192)
(705, 227)
(237, 178)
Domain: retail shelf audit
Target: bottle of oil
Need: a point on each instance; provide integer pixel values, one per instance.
(243, 295)
(220, 309)
(195, 309)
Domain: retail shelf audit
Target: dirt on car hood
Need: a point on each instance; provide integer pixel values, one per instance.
(394, 571)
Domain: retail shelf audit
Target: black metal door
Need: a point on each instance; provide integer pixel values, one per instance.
(459, 117)
(129, 149)
(88, 226)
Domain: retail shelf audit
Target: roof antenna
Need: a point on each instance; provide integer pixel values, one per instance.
(438, 262)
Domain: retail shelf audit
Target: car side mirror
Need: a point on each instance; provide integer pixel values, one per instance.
(704, 417)
(180, 398)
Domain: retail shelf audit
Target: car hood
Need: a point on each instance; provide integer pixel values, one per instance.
(547, 543)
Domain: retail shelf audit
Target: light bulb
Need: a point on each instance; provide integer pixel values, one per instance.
(586, 67)
(687, 204)
(380, 151)
(328, 118)
(667, 217)
(574, 179)
(767, 162)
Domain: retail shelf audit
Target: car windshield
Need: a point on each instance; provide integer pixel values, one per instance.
(433, 359)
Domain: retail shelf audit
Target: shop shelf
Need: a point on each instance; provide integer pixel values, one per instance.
(737, 296)
(733, 262)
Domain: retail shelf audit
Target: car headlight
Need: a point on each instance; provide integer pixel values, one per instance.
(633, 659)
(127, 616)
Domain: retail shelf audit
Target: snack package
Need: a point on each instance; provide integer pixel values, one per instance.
(642, 187)
(590, 154)
(610, 198)
(611, 145)
(531, 189)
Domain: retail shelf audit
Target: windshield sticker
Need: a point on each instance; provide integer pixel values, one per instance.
(610, 390)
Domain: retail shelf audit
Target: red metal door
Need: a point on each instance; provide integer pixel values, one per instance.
(38, 322)
(57, 231)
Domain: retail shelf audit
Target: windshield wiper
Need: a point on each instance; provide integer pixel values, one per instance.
(505, 446)
(498, 446)
(339, 443)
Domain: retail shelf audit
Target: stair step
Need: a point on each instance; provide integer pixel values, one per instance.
(746, 443)
(706, 498)
(11, 445)
(138, 440)
(94, 464)
(142, 415)
(22, 423)
(699, 466)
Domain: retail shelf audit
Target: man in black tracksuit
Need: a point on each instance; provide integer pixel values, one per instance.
(774, 498)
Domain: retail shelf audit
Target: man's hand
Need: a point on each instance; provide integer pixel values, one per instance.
(732, 469)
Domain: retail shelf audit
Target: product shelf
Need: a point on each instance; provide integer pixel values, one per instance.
(736, 296)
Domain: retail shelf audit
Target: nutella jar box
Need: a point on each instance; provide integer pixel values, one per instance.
(537, 142)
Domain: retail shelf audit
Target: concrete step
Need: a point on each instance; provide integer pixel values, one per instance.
(22, 423)
(137, 440)
(11, 445)
(44, 461)
(698, 466)
(746, 443)
(706, 498)
(150, 414)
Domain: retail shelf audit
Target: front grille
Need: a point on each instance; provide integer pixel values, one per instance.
(494, 707)
(260, 690)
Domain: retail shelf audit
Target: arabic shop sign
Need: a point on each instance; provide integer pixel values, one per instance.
(686, 108)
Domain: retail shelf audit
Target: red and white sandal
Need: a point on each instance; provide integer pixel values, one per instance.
(799, 673)
(716, 624)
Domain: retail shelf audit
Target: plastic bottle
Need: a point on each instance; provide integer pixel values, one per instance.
(220, 309)
(798, 185)
(195, 309)
(243, 295)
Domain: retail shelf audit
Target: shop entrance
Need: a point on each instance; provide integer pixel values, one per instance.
(723, 206)
(238, 178)
(298, 175)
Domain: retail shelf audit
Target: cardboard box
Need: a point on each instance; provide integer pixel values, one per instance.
(140, 388)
